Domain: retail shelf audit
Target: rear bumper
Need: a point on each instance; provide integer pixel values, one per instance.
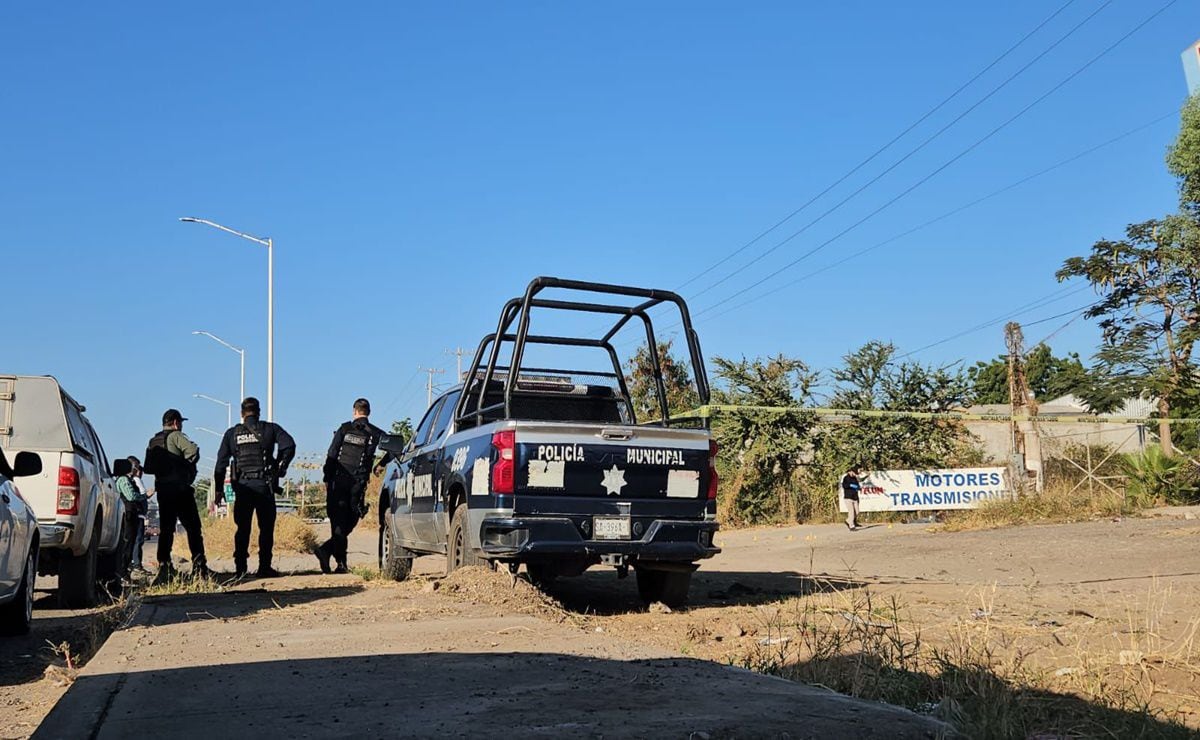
(54, 536)
(535, 537)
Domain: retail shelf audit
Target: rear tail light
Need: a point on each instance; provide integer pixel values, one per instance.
(713, 477)
(504, 469)
(68, 490)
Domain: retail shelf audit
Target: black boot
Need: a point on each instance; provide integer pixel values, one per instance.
(322, 558)
(200, 567)
(341, 567)
(239, 567)
(266, 571)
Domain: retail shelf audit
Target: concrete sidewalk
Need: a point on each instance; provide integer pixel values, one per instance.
(326, 656)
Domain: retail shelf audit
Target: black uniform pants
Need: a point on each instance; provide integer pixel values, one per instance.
(253, 498)
(177, 503)
(341, 503)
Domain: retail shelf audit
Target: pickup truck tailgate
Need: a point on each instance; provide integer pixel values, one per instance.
(612, 462)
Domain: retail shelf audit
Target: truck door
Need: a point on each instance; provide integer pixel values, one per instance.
(416, 471)
(433, 528)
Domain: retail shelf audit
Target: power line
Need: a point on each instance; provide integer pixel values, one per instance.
(912, 152)
(1078, 71)
(870, 158)
(954, 212)
(994, 322)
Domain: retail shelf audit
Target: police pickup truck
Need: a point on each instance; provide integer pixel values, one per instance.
(552, 468)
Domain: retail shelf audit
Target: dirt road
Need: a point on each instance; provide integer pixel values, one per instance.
(313, 655)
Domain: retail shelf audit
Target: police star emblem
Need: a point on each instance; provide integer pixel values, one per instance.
(614, 480)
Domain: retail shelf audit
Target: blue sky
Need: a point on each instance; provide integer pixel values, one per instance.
(417, 164)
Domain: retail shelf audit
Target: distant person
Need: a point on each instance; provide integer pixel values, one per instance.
(850, 489)
(261, 452)
(171, 458)
(348, 466)
(136, 508)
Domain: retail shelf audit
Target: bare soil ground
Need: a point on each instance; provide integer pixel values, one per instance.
(1072, 601)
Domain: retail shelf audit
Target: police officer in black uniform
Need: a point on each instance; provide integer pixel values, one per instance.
(261, 452)
(348, 466)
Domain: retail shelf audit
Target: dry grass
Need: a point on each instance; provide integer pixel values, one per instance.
(981, 676)
(1058, 503)
(292, 534)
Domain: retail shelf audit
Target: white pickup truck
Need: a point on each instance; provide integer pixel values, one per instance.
(79, 511)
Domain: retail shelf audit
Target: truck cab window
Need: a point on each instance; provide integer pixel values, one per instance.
(444, 415)
(421, 436)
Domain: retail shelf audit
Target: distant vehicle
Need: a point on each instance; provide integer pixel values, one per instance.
(80, 514)
(541, 467)
(18, 545)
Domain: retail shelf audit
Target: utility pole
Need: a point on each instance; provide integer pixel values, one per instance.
(458, 354)
(1025, 440)
(429, 383)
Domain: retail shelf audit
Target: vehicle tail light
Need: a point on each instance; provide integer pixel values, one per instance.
(68, 490)
(713, 477)
(504, 470)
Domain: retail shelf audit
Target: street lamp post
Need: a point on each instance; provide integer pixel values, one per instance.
(228, 407)
(239, 350)
(270, 303)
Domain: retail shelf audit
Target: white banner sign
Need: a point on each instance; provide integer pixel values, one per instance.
(913, 490)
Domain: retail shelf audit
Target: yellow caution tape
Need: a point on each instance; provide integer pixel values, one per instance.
(705, 412)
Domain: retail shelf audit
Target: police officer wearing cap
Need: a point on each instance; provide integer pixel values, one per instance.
(171, 458)
(261, 452)
(347, 469)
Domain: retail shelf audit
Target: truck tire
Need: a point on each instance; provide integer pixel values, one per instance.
(17, 615)
(77, 575)
(667, 586)
(458, 551)
(395, 562)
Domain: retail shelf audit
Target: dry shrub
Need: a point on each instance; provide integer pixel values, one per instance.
(292, 534)
(977, 675)
(1058, 503)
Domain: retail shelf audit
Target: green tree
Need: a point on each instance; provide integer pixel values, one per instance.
(1149, 288)
(870, 379)
(677, 381)
(403, 429)
(1149, 309)
(1049, 377)
(761, 451)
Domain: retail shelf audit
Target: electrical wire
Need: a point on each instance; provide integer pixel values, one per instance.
(948, 214)
(1078, 71)
(870, 158)
(913, 151)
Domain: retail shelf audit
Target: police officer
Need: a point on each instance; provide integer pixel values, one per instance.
(261, 452)
(171, 458)
(346, 472)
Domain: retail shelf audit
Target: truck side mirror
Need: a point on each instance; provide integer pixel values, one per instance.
(27, 464)
(393, 444)
(122, 467)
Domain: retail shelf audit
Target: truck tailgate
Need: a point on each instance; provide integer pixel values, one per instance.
(568, 461)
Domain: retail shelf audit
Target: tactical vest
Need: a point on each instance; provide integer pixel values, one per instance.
(358, 448)
(165, 466)
(253, 445)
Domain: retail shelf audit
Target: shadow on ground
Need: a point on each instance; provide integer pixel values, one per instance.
(981, 703)
(444, 694)
(601, 592)
(24, 658)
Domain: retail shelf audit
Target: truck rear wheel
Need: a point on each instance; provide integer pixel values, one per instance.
(667, 586)
(77, 574)
(458, 550)
(395, 562)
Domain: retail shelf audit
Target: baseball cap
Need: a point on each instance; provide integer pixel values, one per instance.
(173, 415)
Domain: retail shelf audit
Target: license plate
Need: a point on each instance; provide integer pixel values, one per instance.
(610, 527)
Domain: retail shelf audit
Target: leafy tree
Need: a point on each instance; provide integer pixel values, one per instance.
(869, 379)
(1049, 377)
(1149, 309)
(761, 451)
(677, 380)
(403, 429)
